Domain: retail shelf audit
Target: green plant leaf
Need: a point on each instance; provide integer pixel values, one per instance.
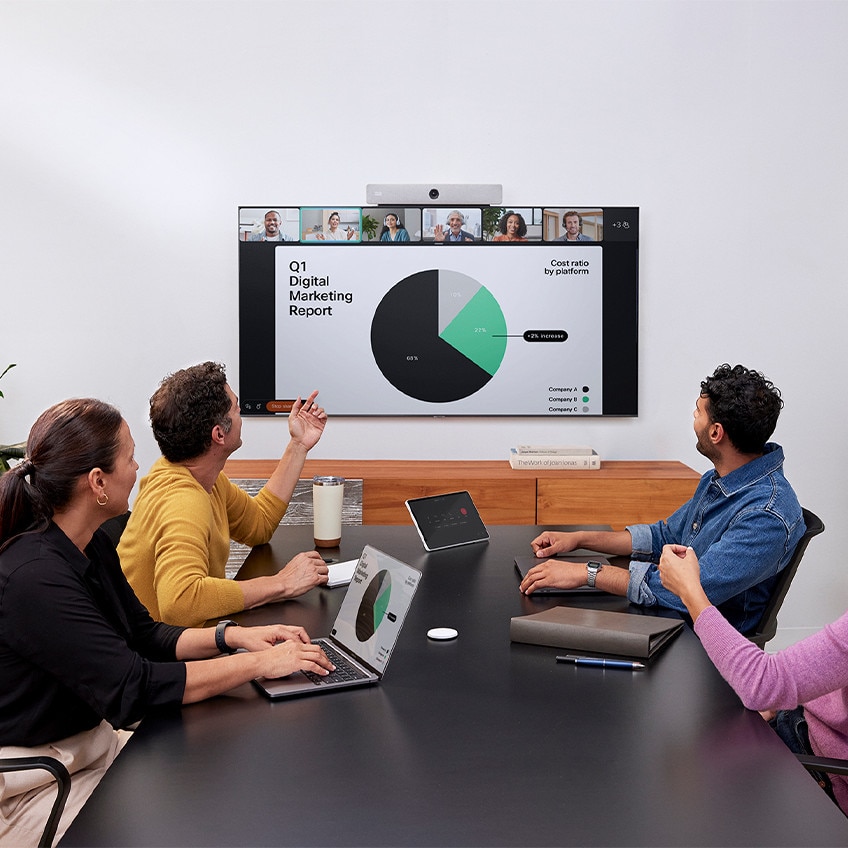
(4, 373)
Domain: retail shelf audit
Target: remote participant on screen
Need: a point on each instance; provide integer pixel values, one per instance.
(334, 232)
(393, 229)
(573, 224)
(454, 234)
(511, 227)
(272, 231)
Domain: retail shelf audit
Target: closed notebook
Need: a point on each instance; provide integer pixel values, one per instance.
(597, 631)
(340, 573)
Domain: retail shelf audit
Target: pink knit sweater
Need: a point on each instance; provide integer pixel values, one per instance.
(813, 672)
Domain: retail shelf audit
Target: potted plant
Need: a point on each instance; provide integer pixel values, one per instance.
(8, 452)
(369, 226)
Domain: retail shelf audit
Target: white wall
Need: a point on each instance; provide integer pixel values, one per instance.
(131, 131)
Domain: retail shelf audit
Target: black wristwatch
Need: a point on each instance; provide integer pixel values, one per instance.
(592, 569)
(220, 641)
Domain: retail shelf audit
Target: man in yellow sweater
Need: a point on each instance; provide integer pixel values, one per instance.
(175, 547)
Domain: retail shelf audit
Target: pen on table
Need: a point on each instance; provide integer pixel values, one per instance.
(600, 662)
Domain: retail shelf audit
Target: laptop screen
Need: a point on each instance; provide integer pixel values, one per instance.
(375, 606)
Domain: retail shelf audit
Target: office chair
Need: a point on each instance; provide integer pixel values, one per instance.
(63, 781)
(114, 527)
(826, 764)
(767, 626)
(823, 765)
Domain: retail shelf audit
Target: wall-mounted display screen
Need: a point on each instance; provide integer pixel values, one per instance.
(427, 310)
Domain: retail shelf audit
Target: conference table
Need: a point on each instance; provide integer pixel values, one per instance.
(470, 742)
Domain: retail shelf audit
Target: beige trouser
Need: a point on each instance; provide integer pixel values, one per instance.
(26, 797)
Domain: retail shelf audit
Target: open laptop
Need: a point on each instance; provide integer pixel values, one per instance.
(524, 563)
(365, 630)
(446, 521)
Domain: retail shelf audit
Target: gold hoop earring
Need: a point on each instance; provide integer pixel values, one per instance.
(105, 499)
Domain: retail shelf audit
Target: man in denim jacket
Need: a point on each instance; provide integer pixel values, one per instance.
(743, 521)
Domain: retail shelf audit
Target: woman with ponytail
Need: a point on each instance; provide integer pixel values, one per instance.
(80, 657)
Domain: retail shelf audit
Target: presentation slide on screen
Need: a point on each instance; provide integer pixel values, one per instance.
(437, 311)
(419, 328)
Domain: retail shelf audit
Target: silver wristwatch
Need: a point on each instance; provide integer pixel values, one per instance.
(592, 569)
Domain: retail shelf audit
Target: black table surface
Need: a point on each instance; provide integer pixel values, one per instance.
(475, 741)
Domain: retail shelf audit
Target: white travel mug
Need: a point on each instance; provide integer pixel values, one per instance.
(327, 496)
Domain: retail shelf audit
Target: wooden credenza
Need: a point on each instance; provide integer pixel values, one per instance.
(618, 494)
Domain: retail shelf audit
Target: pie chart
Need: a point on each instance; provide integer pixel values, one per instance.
(373, 606)
(438, 336)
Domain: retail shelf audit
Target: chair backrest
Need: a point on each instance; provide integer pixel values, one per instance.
(767, 626)
(114, 527)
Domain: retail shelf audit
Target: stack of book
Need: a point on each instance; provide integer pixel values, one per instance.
(542, 457)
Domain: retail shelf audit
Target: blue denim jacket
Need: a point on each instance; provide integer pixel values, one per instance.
(743, 527)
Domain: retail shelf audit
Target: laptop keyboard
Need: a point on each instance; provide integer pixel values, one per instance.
(345, 670)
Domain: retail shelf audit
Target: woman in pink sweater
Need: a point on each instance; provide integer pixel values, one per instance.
(802, 689)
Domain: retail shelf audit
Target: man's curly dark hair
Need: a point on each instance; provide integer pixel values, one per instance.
(185, 408)
(745, 403)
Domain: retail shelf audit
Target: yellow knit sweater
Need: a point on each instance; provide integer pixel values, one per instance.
(175, 547)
